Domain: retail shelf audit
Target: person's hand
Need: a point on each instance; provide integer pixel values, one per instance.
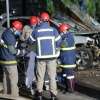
(23, 52)
(1, 42)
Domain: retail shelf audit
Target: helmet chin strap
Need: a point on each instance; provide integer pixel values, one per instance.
(13, 30)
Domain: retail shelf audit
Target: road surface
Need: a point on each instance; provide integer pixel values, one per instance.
(61, 96)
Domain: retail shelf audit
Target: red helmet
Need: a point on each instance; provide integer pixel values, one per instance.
(33, 20)
(44, 16)
(64, 27)
(17, 25)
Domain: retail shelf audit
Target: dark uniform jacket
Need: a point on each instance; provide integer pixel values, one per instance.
(7, 49)
(68, 52)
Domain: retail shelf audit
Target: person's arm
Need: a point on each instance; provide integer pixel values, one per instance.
(10, 43)
(32, 38)
(57, 38)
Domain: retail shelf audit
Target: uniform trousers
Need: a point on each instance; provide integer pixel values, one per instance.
(10, 80)
(50, 66)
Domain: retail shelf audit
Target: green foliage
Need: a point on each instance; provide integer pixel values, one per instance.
(98, 10)
(91, 7)
(90, 4)
(66, 2)
(50, 7)
(69, 2)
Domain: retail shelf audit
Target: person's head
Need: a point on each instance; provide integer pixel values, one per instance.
(33, 20)
(63, 28)
(44, 16)
(27, 31)
(17, 27)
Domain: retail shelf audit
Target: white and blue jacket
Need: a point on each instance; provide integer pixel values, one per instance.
(47, 40)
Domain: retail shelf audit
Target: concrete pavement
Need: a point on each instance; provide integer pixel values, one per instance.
(67, 96)
(75, 96)
(61, 96)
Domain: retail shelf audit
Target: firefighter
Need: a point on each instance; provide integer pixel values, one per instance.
(46, 38)
(8, 61)
(67, 55)
(34, 21)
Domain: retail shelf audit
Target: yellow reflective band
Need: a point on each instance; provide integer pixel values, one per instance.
(70, 48)
(8, 62)
(3, 45)
(68, 66)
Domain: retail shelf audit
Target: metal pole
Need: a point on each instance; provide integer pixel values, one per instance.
(7, 11)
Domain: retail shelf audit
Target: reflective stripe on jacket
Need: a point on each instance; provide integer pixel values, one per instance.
(68, 66)
(68, 48)
(8, 62)
(47, 39)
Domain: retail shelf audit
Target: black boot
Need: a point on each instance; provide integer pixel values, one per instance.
(38, 96)
(71, 85)
(53, 97)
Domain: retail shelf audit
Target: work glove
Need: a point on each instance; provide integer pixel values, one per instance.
(23, 52)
